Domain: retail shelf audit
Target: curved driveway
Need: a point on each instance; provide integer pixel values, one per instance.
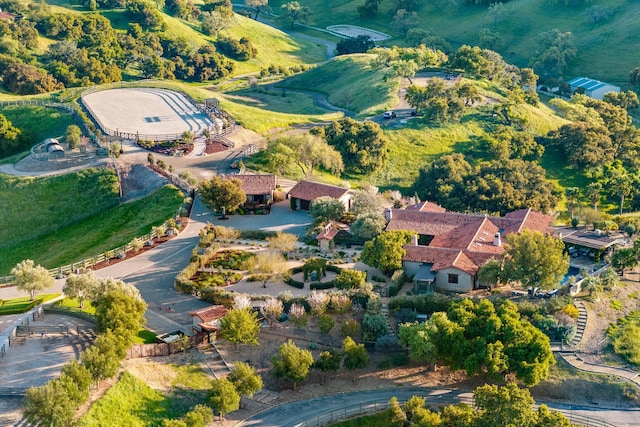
(295, 413)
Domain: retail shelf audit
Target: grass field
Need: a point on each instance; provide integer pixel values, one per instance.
(131, 402)
(37, 123)
(106, 229)
(262, 112)
(606, 50)
(33, 207)
(350, 82)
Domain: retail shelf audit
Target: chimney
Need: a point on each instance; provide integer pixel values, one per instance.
(388, 214)
(496, 240)
(414, 240)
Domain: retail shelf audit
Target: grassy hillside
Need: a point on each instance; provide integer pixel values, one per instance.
(350, 82)
(37, 123)
(103, 230)
(261, 112)
(273, 45)
(32, 207)
(606, 50)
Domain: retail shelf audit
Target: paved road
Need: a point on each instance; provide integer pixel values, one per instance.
(292, 414)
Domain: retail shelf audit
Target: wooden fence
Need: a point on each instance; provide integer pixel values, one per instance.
(208, 111)
(165, 349)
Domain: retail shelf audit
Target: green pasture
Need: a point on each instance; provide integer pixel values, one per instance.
(274, 47)
(606, 50)
(105, 229)
(132, 403)
(350, 82)
(37, 123)
(33, 207)
(263, 112)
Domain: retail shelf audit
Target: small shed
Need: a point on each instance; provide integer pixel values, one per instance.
(592, 88)
(330, 232)
(259, 188)
(208, 319)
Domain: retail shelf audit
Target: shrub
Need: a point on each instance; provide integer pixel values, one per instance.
(399, 359)
(321, 286)
(384, 364)
(292, 282)
(217, 296)
(378, 279)
(326, 323)
(397, 280)
(350, 328)
(571, 311)
(256, 234)
(388, 342)
(429, 303)
(374, 326)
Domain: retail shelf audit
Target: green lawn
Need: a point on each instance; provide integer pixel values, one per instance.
(37, 123)
(33, 207)
(22, 304)
(350, 82)
(606, 50)
(106, 229)
(130, 402)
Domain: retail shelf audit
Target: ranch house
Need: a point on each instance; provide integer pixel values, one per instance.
(305, 192)
(449, 247)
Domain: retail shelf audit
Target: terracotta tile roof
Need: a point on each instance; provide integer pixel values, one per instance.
(463, 241)
(208, 314)
(309, 190)
(426, 207)
(441, 258)
(8, 15)
(328, 234)
(256, 184)
(428, 223)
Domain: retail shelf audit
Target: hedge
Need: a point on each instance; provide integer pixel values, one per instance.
(320, 286)
(291, 282)
(18, 310)
(397, 280)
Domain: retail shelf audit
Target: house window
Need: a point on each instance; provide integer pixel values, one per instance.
(453, 278)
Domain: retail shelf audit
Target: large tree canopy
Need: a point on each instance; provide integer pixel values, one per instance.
(535, 259)
(481, 338)
(218, 193)
(386, 251)
(499, 186)
(363, 145)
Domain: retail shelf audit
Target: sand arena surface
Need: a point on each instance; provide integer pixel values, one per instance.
(146, 111)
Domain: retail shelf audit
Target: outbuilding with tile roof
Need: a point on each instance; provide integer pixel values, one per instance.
(305, 192)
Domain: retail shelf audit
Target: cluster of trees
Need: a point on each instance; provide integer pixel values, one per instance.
(227, 394)
(601, 141)
(294, 364)
(493, 406)
(362, 145)
(220, 194)
(241, 50)
(481, 338)
(405, 62)
(10, 137)
(440, 103)
(497, 186)
(87, 50)
(119, 315)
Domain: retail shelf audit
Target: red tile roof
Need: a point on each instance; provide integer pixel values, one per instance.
(256, 184)
(309, 190)
(426, 207)
(208, 314)
(463, 241)
(8, 15)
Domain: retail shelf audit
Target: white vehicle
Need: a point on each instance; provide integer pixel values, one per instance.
(390, 115)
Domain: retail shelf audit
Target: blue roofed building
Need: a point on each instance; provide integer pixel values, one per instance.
(592, 88)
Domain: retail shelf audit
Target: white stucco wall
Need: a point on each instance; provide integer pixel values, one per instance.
(465, 280)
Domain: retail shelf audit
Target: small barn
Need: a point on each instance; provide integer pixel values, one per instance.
(592, 88)
(305, 192)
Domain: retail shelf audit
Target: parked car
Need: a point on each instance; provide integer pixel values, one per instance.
(390, 115)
